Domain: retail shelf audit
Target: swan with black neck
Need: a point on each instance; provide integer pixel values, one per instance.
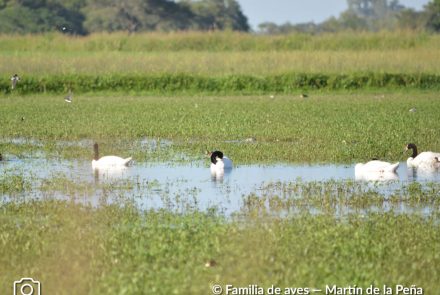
(422, 160)
(219, 162)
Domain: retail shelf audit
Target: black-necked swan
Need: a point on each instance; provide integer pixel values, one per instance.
(219, 162)
(376, 166)
(422, 160)
(108, 162)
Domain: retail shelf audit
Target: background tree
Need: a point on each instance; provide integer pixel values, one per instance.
(219, 14)
(409, 19)
(432, 11)
(36, 16)
(136, 15)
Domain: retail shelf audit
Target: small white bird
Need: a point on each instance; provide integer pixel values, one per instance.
(413, 110)
(68, 97)
(14, 80)
(108, 162)
(422, 160)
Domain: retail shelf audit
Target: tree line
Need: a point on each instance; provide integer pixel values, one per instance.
(89, 16)
(368, 15)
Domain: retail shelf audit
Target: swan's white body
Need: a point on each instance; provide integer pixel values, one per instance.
(376, 166)
(376, 176)
(221, 165)
(108, 162)
(376, 171)
(424, 160)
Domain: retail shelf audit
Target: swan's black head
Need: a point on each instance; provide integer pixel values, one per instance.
(412, 146)
(95, 149)
(215, 155)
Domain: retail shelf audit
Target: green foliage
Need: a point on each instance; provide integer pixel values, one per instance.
(232, 84)
(348, 126)
(366, 15)
(219, 14)
(79, 16)
(433, 15)
(39, 16)
(136, 15)
(118, 249)
(216, 42)
(13, 184)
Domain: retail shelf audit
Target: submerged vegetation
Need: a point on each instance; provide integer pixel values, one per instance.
(77, 249)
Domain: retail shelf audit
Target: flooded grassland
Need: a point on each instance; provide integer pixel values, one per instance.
(291, 213)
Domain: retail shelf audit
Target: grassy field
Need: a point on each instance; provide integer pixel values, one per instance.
(322, 128)
(240, 94)
(412, 60)
(75, 249)
(218, 41)
(219, 62)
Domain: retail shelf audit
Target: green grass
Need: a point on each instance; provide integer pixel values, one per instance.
(225, 85)
(219, 54)
(323, 128)
(217, 41)
(413, 60)
(184, 93)
(76, 249)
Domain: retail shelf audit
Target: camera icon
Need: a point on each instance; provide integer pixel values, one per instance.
(27, 286)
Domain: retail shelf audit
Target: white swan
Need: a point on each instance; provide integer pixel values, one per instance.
(219, 163)
(376, 166)
(423, 160)
(376, 176)
(108, 162)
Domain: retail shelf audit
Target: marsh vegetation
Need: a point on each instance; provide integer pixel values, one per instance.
(132, 233)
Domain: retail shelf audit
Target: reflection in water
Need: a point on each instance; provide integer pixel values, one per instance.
(153, 184)
(423, 174)
(110, 173)
(376, 176)
(218, 176)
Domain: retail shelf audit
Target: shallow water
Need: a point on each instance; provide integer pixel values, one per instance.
(155, 185)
